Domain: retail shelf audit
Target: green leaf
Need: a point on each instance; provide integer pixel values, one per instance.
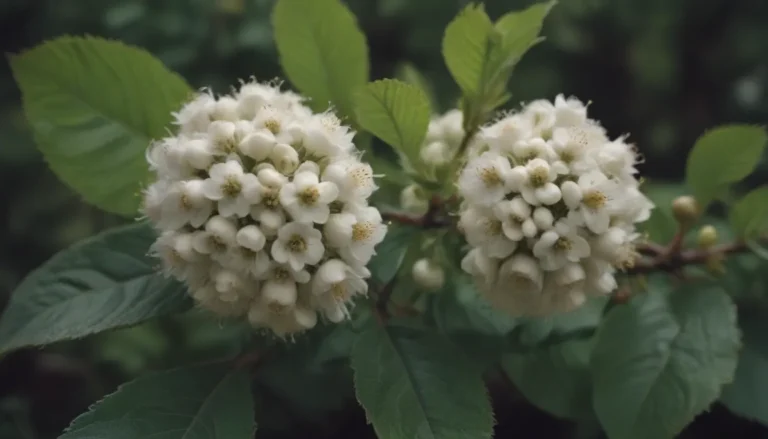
(391, 253)
(519, 32)
(466, 47)
(322, 51)
(723, 156)
(747, 395)
(211, 401)
(462, 309)
(104, 282)
(555, 379)
(661, 360)
(94, 107)
(415, 384)
(397, 113)
(749, 216)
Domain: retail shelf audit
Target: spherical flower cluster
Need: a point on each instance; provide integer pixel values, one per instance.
(549, 208)
(262, 209)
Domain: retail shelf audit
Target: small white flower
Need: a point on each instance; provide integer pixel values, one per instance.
(222, 138)
(334, 285)
(447, 128)
(269, 212)
(306, 199)
(276, 121)
(515, 216)
(504, 134)
(484, 230)
(251, 237)
(569, 112)
(152, 203)
(323, 135)
(219, 235)
(298, 244)
(281, 320)
(428, 274)
(484, 180)
(558, 246)
(234, 189)
(520, 274)
(481, 267)
(356, 233)
(195, 116)
(185, 202)
(600, 280)
(594, 196)
(229, 285)
(225, 109)
(177, 252)
(542, 115)
(536, 183)
(572, 147)
(535, 148)
(353, 179)
(252, 97)
(255, 264)
(197, 153)
(617, 159)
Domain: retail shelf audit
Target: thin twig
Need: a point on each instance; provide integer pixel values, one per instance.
(686, 257)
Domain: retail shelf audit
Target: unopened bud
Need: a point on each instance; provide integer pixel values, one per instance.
(414, 200)
(707, 236)
(428, 274)
(686, 210)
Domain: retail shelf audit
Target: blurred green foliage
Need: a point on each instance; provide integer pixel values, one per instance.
(663, 71)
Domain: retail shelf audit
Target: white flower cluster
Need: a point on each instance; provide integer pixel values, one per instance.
(262, 208)
(549, 208)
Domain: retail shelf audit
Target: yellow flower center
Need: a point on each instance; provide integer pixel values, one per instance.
(309, 196)
(339, 292)
(281, 274)
(362, 231)
(297, 244)
(231, 187)
(272, 125)
(185, 203)
(539, 176)
(217, 243)
(277, 308)
(492, 227)
(563, 244)
(595, 199)
(361, 176)
(490, 176)
(271, 199)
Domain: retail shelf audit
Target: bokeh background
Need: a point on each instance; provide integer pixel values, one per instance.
(661, 70)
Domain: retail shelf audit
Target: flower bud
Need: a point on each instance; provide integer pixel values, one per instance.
(686, 210)
(435, 153)
(707, 236)
(428, 274)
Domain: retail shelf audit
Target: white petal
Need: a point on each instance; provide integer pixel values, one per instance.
(549, 194)
(212, 190)
(328, 192)
(571, 194)
(279, 252)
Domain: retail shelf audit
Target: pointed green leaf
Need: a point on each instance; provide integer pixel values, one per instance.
(519, 32)
(102, 283)
(415, 384)
(395, 112)
(94, 107)
(390, 253)
(749, 216)
(723, 156)
(322, 51)
(661, 360)
(466, 46)
(211, 401)
(555, 379)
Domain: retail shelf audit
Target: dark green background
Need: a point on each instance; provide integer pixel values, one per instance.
(660, 70)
